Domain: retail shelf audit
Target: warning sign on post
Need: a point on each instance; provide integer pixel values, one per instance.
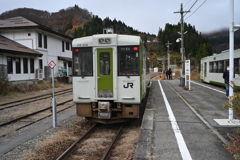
(51, 64)
(187, 73)
(187, 67)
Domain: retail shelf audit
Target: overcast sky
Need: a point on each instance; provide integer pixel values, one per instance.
(144, 15)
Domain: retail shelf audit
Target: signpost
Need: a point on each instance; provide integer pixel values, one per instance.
(52, 64)
(187, 73)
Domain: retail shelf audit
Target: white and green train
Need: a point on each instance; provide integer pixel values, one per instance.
(212, 68)
(109, 77)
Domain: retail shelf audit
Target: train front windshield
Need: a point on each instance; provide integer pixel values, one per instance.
(83, 62)
(128, 61)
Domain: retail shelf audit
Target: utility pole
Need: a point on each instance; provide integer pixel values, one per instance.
(168, 44)
(182, 79)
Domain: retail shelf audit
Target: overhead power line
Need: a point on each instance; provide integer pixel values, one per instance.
(191, 7)
(186, 3)
(195, 10)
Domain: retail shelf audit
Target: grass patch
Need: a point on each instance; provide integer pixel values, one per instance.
(7, 88)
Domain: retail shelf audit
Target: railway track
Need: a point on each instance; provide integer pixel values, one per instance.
(29, 119)
(102, 147)
(31, 99)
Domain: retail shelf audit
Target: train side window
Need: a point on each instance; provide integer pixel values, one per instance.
(83, 62)
(220, 66)
(211, 67)
(215, 67)
(128, 61)
(236, 66)
(238, 69)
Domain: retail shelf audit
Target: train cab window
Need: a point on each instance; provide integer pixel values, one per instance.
(128, 61)
(82, 62)
(105, 63)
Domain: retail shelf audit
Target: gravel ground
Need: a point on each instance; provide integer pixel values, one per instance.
(30, 147)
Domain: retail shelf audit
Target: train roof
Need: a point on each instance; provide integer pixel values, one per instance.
(106, 40)
(224, 53)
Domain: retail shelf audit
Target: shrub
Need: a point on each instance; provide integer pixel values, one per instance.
(234, 102)
(40, 82)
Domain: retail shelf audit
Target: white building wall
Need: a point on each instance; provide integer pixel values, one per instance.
(29, 38)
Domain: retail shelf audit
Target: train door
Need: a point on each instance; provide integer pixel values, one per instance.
(105, 73)
(205, 69)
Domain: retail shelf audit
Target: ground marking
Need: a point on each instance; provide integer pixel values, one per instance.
(181, 143)
(208, 87)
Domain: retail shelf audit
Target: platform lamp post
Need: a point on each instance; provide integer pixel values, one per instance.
(232, 28)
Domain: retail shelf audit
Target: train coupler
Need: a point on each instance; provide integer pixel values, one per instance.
(104, 111)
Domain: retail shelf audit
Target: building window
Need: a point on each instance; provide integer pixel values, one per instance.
(18, 65)
(9, 65)
(31, 65)
(40, 64)
(39, 40)
(25, 65)
(63, 49)
(67, 46)
(45, 41)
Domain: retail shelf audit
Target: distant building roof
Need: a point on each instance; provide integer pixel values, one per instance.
(9, 46)
(23, 23)
(16, 22)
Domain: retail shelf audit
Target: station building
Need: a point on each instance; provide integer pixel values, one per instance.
(27, 48)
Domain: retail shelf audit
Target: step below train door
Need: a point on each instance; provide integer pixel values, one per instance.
(105, 73)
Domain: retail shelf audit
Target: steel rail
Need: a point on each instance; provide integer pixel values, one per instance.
(67, 152)
(28, 115)
(109, 148)
(26, 99)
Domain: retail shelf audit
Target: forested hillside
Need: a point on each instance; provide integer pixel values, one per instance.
(73, 21)
(196, 46)
(77, 22)
(220, 40)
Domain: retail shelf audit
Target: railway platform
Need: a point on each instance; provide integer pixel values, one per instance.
(179, 124)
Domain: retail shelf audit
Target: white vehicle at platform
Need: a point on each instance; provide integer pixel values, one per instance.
(212, 68)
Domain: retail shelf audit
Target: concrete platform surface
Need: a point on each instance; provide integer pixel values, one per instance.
(179, 124)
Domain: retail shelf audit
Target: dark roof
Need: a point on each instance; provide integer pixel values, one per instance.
(23, 23)
(9, 46)
(65, 59)
(16, 22)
